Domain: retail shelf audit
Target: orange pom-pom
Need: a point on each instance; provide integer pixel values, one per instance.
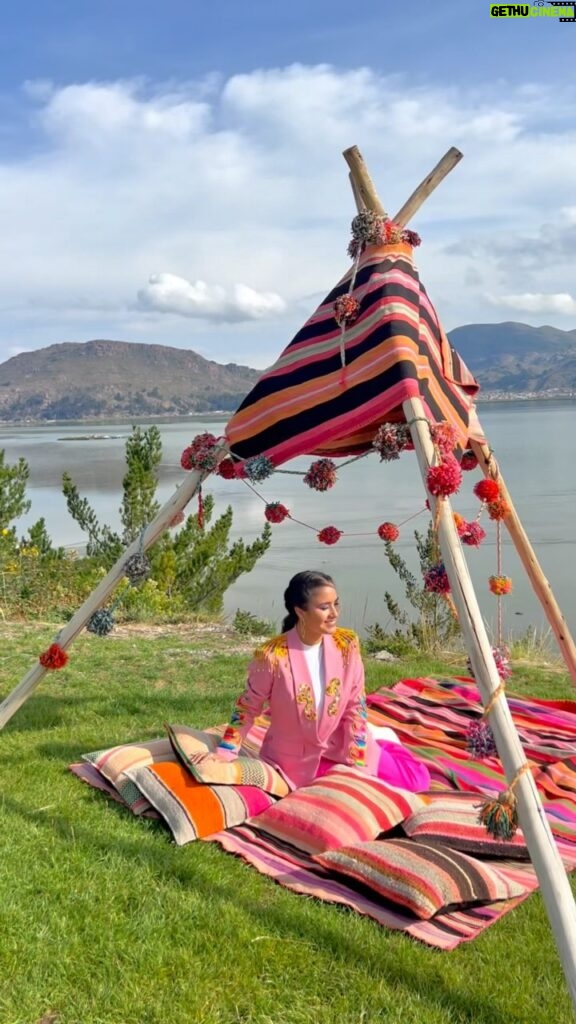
(500, 585)
(498, 509)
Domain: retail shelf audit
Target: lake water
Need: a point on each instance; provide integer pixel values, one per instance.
(534, 444)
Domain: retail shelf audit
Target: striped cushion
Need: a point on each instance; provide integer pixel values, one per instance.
(420, 878)
(191, 809)
(452, 818)
(344, 806)
(114, 762)
(242, 771)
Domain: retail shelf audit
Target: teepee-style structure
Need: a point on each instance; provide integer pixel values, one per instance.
(383, 359)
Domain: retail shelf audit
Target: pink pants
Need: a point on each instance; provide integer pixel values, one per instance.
(396, 765)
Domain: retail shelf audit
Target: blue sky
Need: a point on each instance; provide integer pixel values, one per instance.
(173, 173)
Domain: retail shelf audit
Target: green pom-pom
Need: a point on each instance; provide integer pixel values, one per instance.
(499, 816)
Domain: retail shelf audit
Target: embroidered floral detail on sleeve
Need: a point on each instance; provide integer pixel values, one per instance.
(333, 690)
(305, 696)
(357, 749)
(231, 739)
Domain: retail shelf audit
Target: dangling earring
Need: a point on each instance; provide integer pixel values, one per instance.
(301, 630)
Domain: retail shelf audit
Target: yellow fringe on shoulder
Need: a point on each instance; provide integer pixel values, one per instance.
(345, 640)
(277, 647)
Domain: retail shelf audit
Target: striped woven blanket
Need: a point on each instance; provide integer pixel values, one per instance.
(416, 863)
(396, 349)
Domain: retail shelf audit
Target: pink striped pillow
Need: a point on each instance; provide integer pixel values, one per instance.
(422, 879)
(344, 806)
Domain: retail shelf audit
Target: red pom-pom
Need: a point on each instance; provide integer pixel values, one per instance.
(500, 585)
(200, 454)
(468, 461)
(276, 512)
(444, 436)
(346, 309)
(487, 490)
(498, 509)
(471, 534)
(54, 657)
(321, 475)
(226, 469)
(388, 531)
(436, 580)
(177, 519)
(444, 479)
(329, 535)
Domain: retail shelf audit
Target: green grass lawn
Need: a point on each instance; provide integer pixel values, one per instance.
(104, 921)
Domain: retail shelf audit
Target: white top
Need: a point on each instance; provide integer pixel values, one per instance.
(314, 655)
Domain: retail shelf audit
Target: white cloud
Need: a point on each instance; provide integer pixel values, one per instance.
(167, 293)
(218, 180)
(561, 303)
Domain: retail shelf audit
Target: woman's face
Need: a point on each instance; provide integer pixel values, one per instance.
(320, 617)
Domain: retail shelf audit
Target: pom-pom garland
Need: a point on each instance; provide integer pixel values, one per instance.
(390, 439)
(444, 436)
(346, 310)
(471, 534)
(480, 740)
(498, 509)
(436, 580)
(502, 661)
(321, 475)
(101, 622)
(487, 490)
(137, 568)
(329, 535)
(369, 228)
(388, 531)
(500, 585)
(445, 478)
(54, 657)
(259, 468)
(276, 512)
(226, 469)
(200, 454)
(468, 462)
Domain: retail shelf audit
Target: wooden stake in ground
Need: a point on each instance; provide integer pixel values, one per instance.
(552, 877)
(100, 595)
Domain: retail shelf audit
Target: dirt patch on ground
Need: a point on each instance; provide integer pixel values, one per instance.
(211, 637)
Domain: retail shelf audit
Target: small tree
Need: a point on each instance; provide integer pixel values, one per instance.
(13, 483)
(434, 626)
(194, 566)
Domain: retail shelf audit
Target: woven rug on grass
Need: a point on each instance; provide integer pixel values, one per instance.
(302, 874)
(432, 717)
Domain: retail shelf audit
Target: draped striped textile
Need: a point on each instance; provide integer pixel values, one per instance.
(308, 403)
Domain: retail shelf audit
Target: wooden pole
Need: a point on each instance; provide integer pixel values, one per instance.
(363, 187)
(554, 883)
(105, 588)
(427, 186)
(540, 584)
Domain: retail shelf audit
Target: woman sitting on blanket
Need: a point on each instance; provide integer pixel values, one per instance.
(311, 679)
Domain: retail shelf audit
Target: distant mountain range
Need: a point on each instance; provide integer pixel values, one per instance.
(119, 379)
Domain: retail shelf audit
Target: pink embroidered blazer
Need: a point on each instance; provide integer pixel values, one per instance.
(299, 735)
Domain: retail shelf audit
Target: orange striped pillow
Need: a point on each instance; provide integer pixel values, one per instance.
(344, 806)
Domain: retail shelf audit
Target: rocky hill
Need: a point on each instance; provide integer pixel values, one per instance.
(515, 359)
(119, 379)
